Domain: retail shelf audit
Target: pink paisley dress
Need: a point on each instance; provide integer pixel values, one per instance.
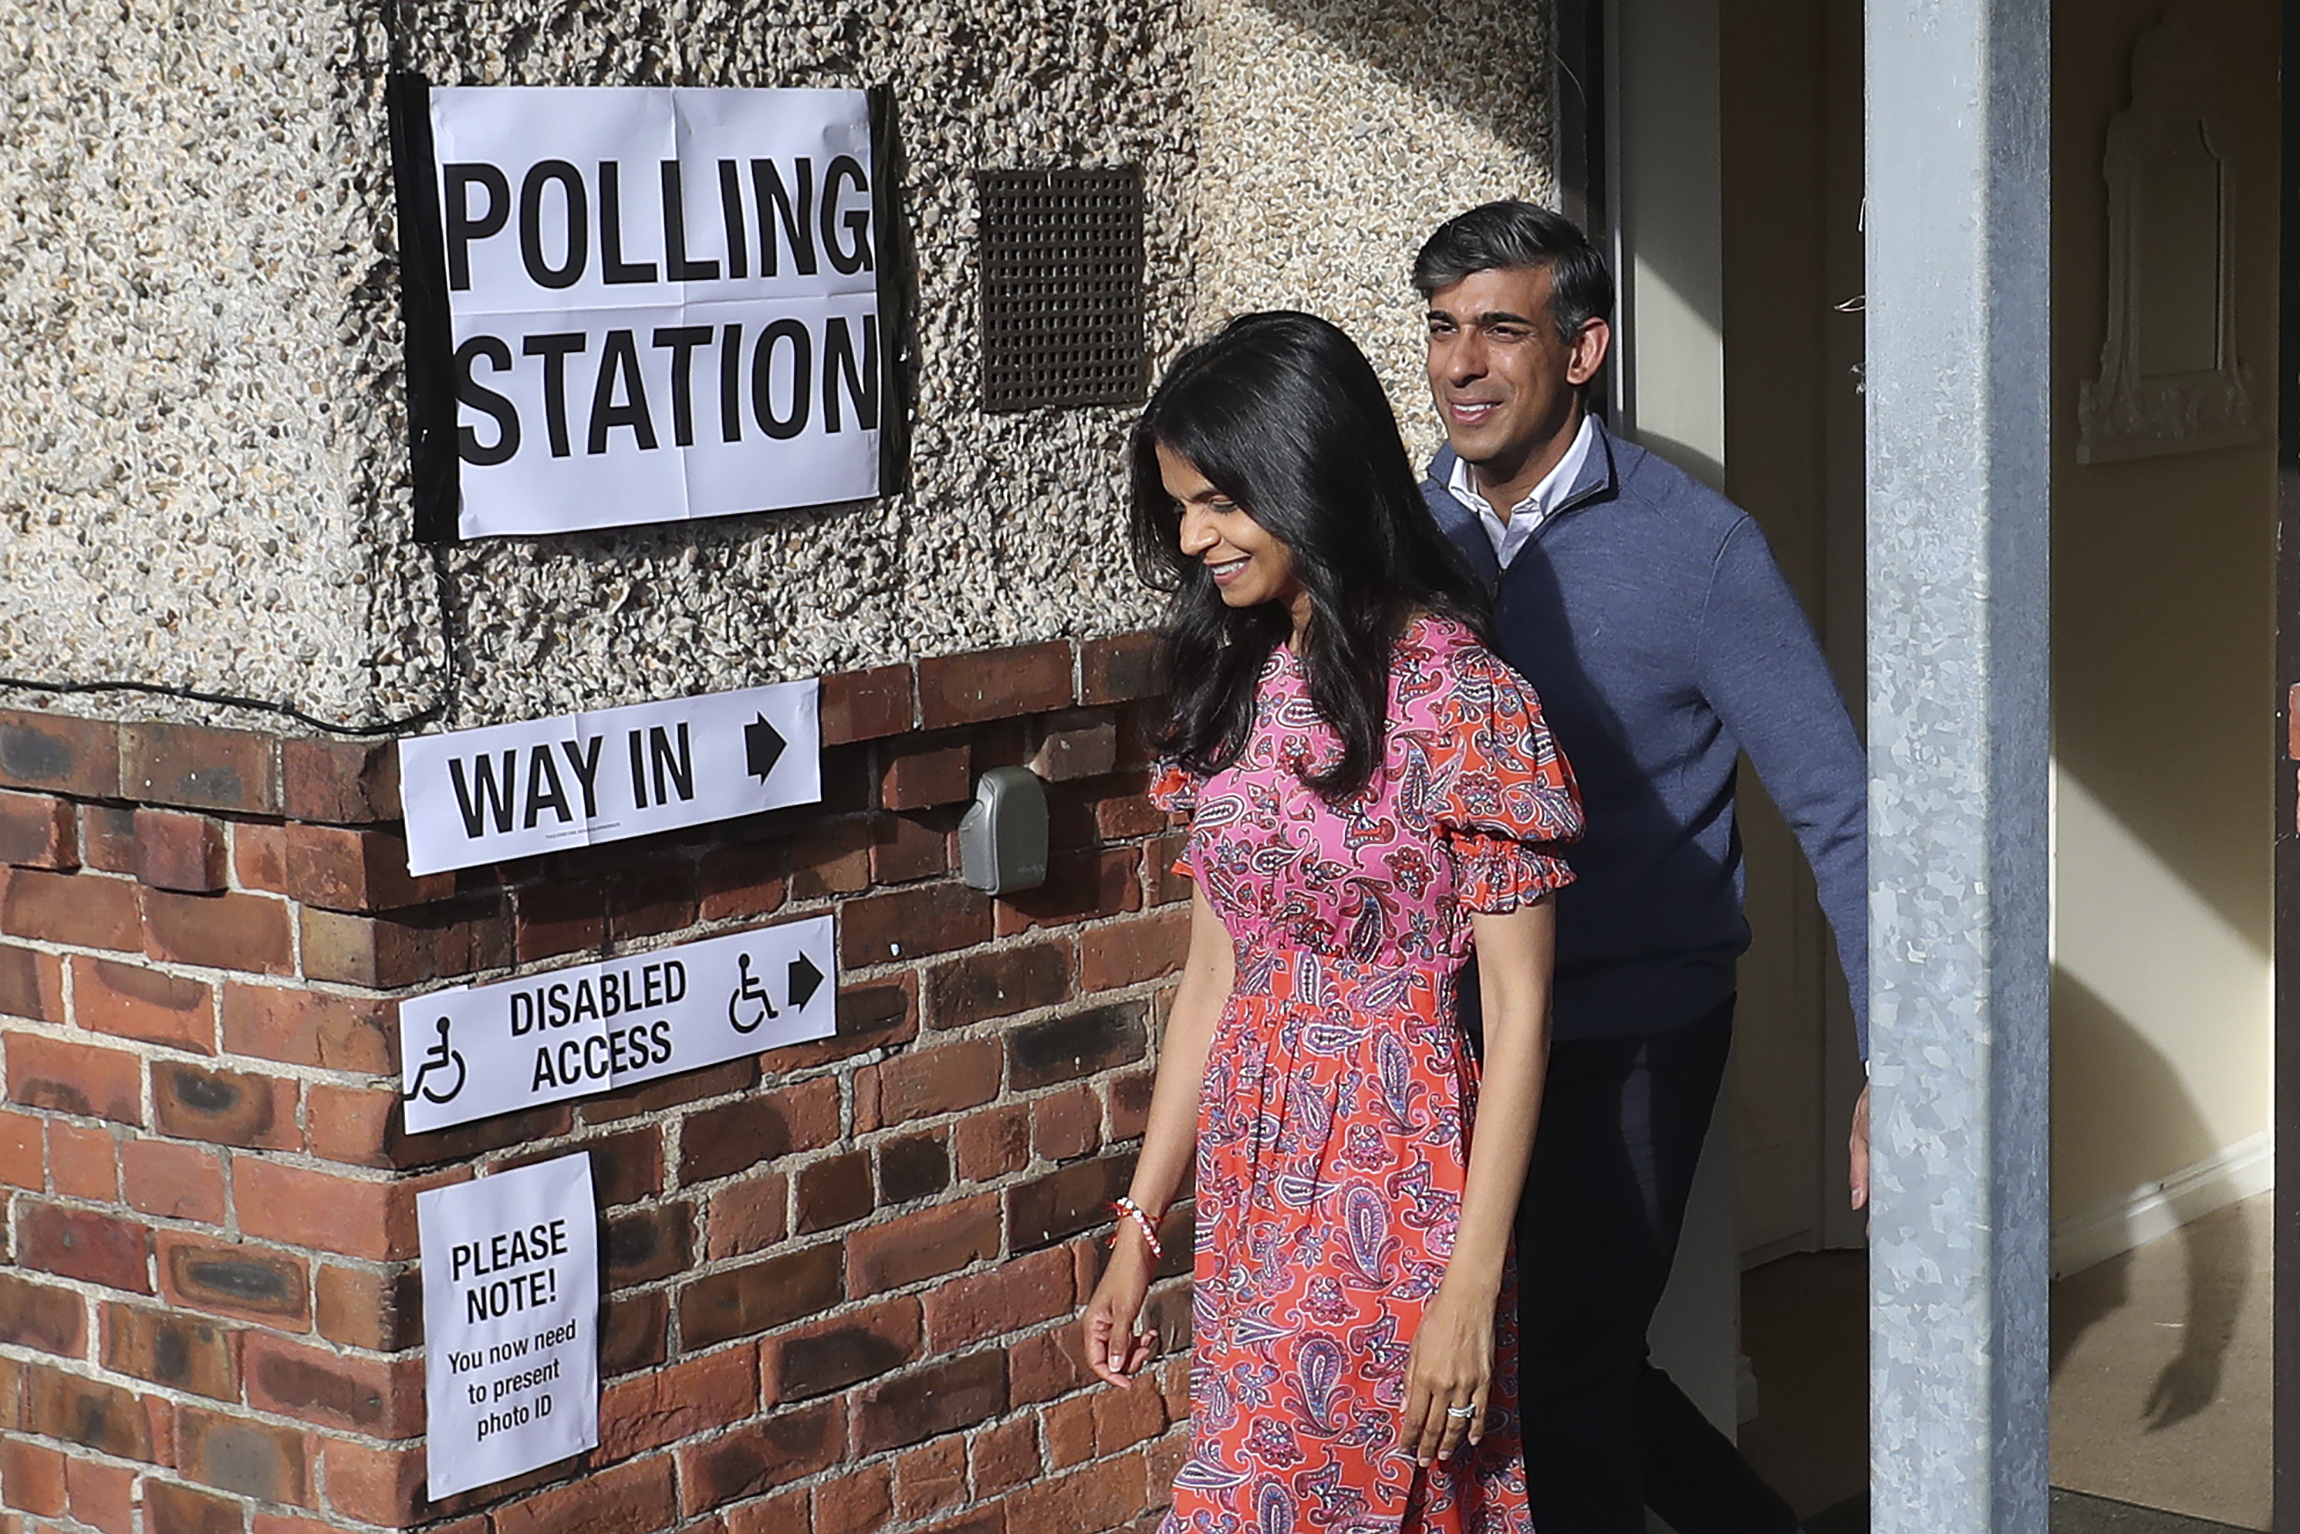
(1335, 1117)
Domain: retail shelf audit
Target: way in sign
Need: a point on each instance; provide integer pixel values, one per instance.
(487, 788)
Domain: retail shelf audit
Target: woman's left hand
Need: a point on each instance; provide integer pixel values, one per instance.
(1450, 1368)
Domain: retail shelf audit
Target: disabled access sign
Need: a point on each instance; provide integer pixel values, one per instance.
(474, 1051)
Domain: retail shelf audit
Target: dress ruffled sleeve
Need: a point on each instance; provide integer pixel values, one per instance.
(1506, 801)
(1175, 790)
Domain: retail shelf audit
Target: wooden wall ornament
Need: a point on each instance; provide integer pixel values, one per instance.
(2170, 380)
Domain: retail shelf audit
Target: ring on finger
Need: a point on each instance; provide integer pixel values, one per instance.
(1461, 1411)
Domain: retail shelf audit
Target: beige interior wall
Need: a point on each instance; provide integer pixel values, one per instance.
(2163, 677)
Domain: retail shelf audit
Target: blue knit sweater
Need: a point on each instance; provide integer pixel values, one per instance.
(1649, 615)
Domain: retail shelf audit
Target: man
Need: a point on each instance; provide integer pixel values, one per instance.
(1648, 613)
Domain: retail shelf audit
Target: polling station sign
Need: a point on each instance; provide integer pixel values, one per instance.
(510, 1322)
(474, 1051)
(541, 785)
(636, 304)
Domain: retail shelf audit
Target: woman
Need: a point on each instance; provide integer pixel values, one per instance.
(1369, 790)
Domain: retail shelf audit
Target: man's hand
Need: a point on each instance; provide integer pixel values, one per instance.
(1857, 1143)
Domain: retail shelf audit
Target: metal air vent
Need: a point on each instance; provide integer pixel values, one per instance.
(1062, 302)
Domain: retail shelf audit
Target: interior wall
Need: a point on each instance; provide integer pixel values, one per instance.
(2163, 684)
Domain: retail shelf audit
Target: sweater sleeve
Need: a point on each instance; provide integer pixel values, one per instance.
(1762, 670)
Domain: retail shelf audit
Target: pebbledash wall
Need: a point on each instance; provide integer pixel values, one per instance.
(841, 1280)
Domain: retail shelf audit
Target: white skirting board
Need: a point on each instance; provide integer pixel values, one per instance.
(2159, 1208)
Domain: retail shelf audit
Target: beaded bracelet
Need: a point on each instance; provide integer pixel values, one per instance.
(1127, 1209)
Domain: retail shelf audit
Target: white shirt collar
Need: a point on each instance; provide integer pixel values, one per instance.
(1527, 515)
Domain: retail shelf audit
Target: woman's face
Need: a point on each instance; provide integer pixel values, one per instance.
(1248, 565)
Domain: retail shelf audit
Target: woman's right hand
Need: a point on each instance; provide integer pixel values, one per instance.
(1115, 1348)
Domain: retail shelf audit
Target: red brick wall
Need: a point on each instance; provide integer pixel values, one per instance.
(841, 1279)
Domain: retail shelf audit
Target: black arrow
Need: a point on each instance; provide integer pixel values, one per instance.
(762, 747)
(805, 981)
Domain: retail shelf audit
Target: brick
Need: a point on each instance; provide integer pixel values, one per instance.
(301, 1027)
(652, 898)
(774, 1291)
(231, 1453)
(259, 856)
(784, 1513)
(930, 1479)
(227, 931)
(912, 923)
(1129, 812)
(364, 1126)
(176, 1182)
(732, 883)
(922, 1083)
(1066, 1125)
(179, 851)
(59, 753)
(747, 1216)
(80, 910)
(435, 942)
(830, 857)
(31, 984)
(993, 1143)
(136, 1002)
(833, 1191)
(381, 1311)
(998, 982)
(1123, 953)
(200, 768)
(343, 868)
(90, 1413)
(1163, 885)
(831, 1355)
(108, 837)
(1004, 1456)
(1065, 1201)
(180, 1510)
(1016, 1294)
(23, 1151)
(641, 1245)
(761, 1455)
(2292, 722)
(43, 1317)
(101, 1496)
(921, 776)
(31, 1478)
(366, 1484)
(1129, 1100)
(695, 1395)
(222, 1107)
(1069, 1427)
(285, 1523)
(1105, 1495)
(182, 1352)
(859, 1500)
(84, 1244)
(989, 1520)
(721, 1141)
(626, 1167)
(234, 1279)
(1084, 1043)
(1119, 669)
(558, 918)
(911, 846)
(940, 1398)
(38, 831)
(380, 1398)
(338, 781)
(1079, 885)
(675, 1091)
(1082, 743)
(994, 684)
(919, 1246)
(1124, 1418)
(66, 1077)
(913, 1167)
(324, 1210)
(864, 705)
(631, 1498)
(875, 1015)
(634, 1332)
(83, 1161)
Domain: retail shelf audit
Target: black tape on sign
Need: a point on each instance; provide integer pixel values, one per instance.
(431, 419)
(897, 293)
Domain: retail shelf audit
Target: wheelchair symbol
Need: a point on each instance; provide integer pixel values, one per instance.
(437, 1058)
(749, 991)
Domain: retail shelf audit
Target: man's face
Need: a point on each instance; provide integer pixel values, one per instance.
(1505, 384)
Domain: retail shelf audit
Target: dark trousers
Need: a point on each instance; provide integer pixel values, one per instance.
(1606, 1433)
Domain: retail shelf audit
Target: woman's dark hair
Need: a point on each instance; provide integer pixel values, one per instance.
(1512, 236)
(1283, 414)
